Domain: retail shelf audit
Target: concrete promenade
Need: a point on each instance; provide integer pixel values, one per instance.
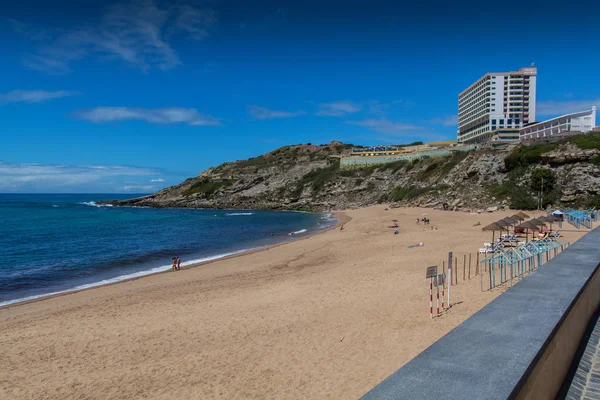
(586, 382)
(521, 345)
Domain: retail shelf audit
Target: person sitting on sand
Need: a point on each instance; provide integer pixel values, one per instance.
(342, 228)
(178, 263)
(174, 263)
(418, 220)
(396, 232)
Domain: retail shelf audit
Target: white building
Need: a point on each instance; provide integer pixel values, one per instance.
(499, 102)
(584, 121)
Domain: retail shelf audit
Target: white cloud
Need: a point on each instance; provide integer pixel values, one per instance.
(380, 109)
(386, 126)
(140, 188)
(29, 31)
(451, 120)
(565, 107)
(23, 177)
(157, 180)
(259, 112)
(34, 96)
(338, 109)
(170, 115)
(133, 33)
(195, 21)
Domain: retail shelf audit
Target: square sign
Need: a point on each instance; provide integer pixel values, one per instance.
(431, 272)
(439, 281)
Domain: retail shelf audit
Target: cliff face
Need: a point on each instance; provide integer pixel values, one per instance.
(308, 177)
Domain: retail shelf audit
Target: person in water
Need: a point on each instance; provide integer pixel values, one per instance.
(178, 263)
(174, 263)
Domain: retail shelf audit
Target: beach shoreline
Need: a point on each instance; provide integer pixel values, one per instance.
(340, 216)
(327, 316)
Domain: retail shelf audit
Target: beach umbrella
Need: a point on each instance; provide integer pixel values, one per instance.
(528, 225)
(550, 219)
(504, 224)
(493, 227)
(517, 217)
(523, 215)
(512, 221)
(539, 223)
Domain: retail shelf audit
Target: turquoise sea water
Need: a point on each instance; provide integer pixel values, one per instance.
(54, 242)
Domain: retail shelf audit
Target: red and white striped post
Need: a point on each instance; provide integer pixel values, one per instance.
(431, 298)
(438, 297)
(443, 283)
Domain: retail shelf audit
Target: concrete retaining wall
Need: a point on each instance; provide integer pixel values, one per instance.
(357, 161)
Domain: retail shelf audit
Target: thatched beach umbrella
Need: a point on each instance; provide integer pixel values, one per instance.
(550, 219)
(554, 218)
(517, 217)
(512, 221)
(523, 215)
(539, 223)
(493, 227)
(504, 224)
(528, 225)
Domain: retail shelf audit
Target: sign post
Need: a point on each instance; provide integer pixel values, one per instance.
(431, 275)
(439, 281)
(449, 276)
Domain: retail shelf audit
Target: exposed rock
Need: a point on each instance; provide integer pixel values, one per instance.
(569, 154)
(308, 177)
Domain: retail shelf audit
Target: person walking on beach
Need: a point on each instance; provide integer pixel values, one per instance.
(178, 263)
(174, 263)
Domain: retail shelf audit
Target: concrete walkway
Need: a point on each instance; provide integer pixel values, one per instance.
(586, 382)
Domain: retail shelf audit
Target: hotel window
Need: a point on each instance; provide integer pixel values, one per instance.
(509, 122)
(501, 122)
(493, 122)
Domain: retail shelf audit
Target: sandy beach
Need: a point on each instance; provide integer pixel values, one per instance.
(328, 316)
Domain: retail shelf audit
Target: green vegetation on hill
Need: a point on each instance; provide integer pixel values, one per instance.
(441, 166)
(206, 187)
(524, 156)
(523, 196)
(417, 181)
(317, 178)
(586, 142)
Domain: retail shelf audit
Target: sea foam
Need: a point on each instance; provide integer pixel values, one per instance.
(94, 204)
(297, 232)
(138, 274)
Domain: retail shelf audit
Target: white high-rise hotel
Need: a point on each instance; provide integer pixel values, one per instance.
(496, 106)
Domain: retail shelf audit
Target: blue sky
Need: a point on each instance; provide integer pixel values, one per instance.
(134, 96)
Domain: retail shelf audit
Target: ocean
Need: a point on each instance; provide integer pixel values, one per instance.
(52, 243)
